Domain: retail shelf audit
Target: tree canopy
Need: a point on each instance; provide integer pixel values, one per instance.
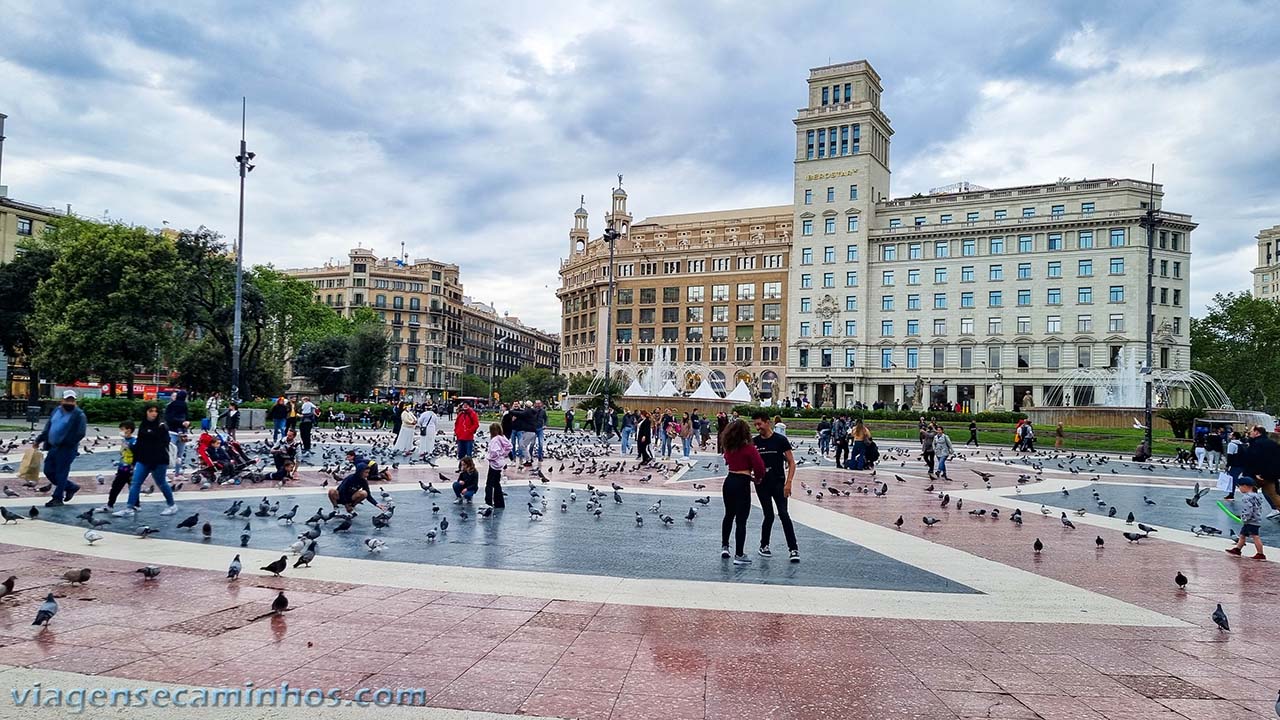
(18, 282)
(1238, 344)
(531, 383)
(475, 386)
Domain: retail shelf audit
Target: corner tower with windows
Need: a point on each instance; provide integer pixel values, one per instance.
(841, 170)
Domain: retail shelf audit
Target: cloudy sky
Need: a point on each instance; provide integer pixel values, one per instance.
(468, 130)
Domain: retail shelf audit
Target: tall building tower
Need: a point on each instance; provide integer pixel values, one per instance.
(842, 170)
(618, 218)
(579, 235)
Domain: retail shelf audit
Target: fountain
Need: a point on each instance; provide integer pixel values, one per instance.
(665, 382)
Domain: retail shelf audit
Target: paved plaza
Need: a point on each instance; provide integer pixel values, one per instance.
(576, 616)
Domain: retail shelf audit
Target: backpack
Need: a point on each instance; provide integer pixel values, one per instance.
(873, 452)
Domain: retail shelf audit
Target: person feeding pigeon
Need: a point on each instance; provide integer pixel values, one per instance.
(780, 469)
(468, 481)
(353, 490)
(745, 467)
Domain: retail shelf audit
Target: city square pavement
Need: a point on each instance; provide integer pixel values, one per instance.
(573, 615)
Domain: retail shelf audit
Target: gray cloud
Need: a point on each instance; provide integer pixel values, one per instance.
(467, 131)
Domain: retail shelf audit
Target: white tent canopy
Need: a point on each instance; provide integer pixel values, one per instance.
(668, 390)
(741, 393)
(705, 392)
(634, 388)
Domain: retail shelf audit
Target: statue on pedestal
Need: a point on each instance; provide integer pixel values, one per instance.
(995, 394)
(1028, 402)
(917, 402)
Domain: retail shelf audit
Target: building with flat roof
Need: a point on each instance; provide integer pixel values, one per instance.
(1266, 274)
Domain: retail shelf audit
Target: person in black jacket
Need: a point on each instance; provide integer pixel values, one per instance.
(150, 457)
(175, 418)
(1262, 461)
(644, 435)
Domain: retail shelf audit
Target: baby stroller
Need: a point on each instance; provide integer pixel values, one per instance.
(217, 463)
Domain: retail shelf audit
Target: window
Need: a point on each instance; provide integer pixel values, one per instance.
(1084, 268)
(1028, 212)
(1115, 323)
(1116, 294)
(966, 273)
(994, 326)
(939, 357)
(806, 281)
(1117, 266)
(886, 328)
(828, 280)
(771, 332)
(693, 354)
(1053, 324)
(971, 217)
(829, 254)
(806, 256)
(804, 357)
(804, 329)
(996, 245)
(1024, 356)
(946, 218)
(829, 227)
(1084, 323)
(1024, 324)
(850, 253)
(1177, 326)
(920, 220)
(993, 357)
(913, 302)
(1025, 243)
(915, 251)
(806, 227)
(827, 330)
(808, 197)
(772, 291)
(966, 326)
(695, 293)
(826, 357)
(1164, 296)
(969, 247)
(850, 328)
(886, 358)
(1024, 297)
(851, 225)
(806, 305)
(1055, 241)
(1084, 295)
(886, 278)
(1084, 240)
(1053, 357)
(913, 327)
(1054, 269)
(966, 299)
(1117, 237)
(693, 314)
(746, 262)
(942, 249)
(746, 313)
(625, 297)
(1176, 242)
(1164, 268)
(1053, 296)
(1057, 210)
(966, 358)
(624, 335)
(647, 315)
(771, 311)
(939, 301)
(913, 358)
(886, 303)
(670, 295)
(853, 192)
(1086, 207)
(895, 222)
(24, 226)
(850, 302)
(1115, 355)
(671, 267)
(1024, 271)
(719, 292)
(888, 252)
(699, 266)
(1177, 297)
(939, 326)
(995, 298)
(670, 334)
(995, 272)
(1084, 356)
(913, 276)
(831, 194)
(826, 95)
(1000, 214)
(719, 264)
(851, 278)
(939, 275)
(850, 355)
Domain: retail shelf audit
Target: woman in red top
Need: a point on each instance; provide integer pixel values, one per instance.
(745, 467)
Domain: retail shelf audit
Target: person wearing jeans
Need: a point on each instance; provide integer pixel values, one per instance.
(310, 413)
(628, 430)
(176, 419)
(942, 450)
(780, 470)
(61, 438)
(150, 458)
(745, 468)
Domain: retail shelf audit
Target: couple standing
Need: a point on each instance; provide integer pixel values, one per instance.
(767, 461)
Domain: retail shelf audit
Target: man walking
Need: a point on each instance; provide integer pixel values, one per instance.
(780, 470)
(539, 425)
(306, 422)
(840, 434)
(61, 438)
(973, 434)
(464, 430)
(1262, 461)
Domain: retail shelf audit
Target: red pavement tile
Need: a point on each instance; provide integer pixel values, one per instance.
(526, 652)
(650, 682)
(163, 668)
(579, 704)
(512, 602)
(1056, 707)
(1231, 687)
(483, 697)
(596, 656)
(565, 678)
(495, 672)
(1123, 707)
(371, 661)
(947, 679)
(992, 705)
(573, 607)
(475, 600)
(89, 661)
(1022, 683)
(631, 706)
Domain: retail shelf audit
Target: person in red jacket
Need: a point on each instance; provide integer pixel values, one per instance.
(464, 429)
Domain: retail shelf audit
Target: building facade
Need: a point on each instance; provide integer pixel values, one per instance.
(18, 221)
(437, 333)
(981, 297)
(708, 288)
(971, 290)
(498, 346)
(1266, 274)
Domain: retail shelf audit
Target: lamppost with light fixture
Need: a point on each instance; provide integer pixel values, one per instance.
(244, 161)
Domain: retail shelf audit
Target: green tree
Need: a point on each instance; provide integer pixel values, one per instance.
(366, 358)
(532, 383)
(475, 386)
(317, 358)
(18, 282)
(1238, 344)
(105, 306)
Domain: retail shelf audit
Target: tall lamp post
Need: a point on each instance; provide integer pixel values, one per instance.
(611, 236)
(244, 161)
(1149, 221)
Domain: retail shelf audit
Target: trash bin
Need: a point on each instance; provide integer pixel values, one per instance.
(34, 412)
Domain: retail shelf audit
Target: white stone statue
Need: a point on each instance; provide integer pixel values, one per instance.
(1028, 401)
(995, 395)
(918, 401)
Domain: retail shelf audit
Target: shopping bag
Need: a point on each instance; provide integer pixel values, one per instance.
(1225, 482)
(29, 468)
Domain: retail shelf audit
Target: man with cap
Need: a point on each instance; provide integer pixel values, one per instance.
(353, 490)
(61, 438)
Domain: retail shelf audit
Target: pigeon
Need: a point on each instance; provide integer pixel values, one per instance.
(379, 521)
(639, 520)
(704, 500)
(1180, 580)
(288, 517)
(77, 576)
(235, 508)
(92, 536)
(245, 535)
(145, 531)
(1133, 537)
(564, 506)
(189, 522)
(534, 513)
(280, 604)
(33, 513)
(9, 493)
(206, 529)
(1037, 546)
(8, 515)
(343, 526)
(1197, 493)
(233, 571)
(667, 520)
(1209, 530)
(276, 567)
(1099, 541)
(1066, 523)
(150, 572)
(313, 532)
(87, 515)
(1112, 512)
(1146, 528)
(1219, 617)
(598, 513)
(929, 521)
(6, 588)
(306, 557)
(431, 535)
(375, 545)
(693, 513)
(1148, 500)
(49, 608)
(1129, 520)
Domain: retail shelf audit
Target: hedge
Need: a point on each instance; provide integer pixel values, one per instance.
(105, 410)
(991, 417)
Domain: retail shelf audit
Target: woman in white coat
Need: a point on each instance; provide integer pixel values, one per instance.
(428, 424)
(408, 428)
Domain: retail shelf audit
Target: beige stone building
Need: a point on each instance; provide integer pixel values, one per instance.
(496, 346)
(19, 220)
(1266, 274)
(707, 287)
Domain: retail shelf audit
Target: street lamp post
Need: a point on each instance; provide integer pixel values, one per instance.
(611, 236)
(1150, 220)
(243, 160)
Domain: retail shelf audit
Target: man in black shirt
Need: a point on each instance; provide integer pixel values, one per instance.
(780, 470)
